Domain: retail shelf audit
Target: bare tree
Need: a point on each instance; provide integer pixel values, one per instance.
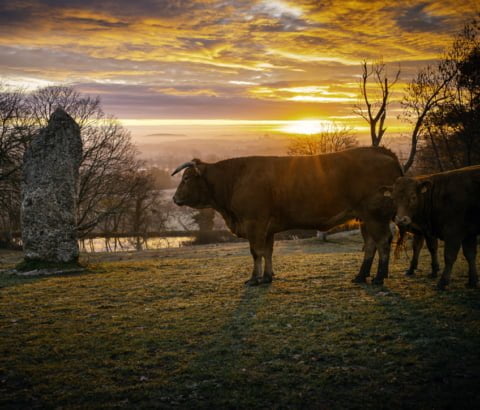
(373, 108)
(143, 202)
(84, 109)
(142, 214)
(204, 218)
(108, 153)
(105, 183)
(423, 95)
(333, 139)
(14, 134)
(443, 104)
(14, 129)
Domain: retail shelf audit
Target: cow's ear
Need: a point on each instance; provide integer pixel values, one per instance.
(199, 166)
(425, 186)
(386, 191)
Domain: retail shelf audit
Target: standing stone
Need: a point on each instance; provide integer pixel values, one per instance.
(50, 190)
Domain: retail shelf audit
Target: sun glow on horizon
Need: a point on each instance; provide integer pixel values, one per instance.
(306, 127)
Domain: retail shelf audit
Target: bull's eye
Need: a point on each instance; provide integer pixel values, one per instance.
(186, 178)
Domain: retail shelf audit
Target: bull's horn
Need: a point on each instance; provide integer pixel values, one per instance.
(188, 164)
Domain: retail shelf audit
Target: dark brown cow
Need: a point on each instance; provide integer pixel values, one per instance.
(260, 196)
(444, 206)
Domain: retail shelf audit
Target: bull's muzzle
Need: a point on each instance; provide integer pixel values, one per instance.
(403, 220)
(177, 201)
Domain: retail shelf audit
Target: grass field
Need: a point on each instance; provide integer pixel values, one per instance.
(179, 329)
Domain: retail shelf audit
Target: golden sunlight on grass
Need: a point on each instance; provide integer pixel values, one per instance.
(306, 127)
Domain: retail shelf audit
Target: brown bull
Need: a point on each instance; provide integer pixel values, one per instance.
(444, 206)
(260, 196)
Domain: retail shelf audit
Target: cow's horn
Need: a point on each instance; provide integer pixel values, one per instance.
(188, 164)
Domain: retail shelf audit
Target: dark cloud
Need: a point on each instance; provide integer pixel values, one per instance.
(157, 8)
(319, 6)
(57, 60)
(19, 15)
(40, 10)
(198, 42)
(416, 18)
(275, 27)
(95, 23)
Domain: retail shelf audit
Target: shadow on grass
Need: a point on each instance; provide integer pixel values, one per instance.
(222, 364)
(443, 338)
(9, 280)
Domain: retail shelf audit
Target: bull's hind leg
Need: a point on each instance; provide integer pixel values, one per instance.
(452, 246)
(418, 240)
(469, 246)
(268, 272)
(259, 250)
(369, 248)
(432, 245)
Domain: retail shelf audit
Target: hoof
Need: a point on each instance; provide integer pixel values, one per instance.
(410, 272)
(471, 285)
(266, 279)
(377, 281)
(359, 279)
(252, 282)
(433, 275)
(441, 285)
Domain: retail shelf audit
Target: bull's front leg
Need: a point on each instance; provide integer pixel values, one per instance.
(418, 240)
(255, 279)
(368, 256)
(382, 236)
(369, 249)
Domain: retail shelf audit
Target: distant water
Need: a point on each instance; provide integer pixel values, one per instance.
(102, 244)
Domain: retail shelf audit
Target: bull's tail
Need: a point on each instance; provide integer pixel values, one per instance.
(400, 243)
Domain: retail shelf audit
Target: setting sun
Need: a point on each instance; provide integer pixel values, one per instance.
(306, 127)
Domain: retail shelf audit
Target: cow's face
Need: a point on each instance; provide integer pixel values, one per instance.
(407, 194)
(193, 189)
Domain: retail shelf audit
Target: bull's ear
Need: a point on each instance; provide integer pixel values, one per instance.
(386, 191)
(425, 186)
(199, 166)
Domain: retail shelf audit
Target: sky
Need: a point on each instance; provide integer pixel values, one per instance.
(167, 68)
